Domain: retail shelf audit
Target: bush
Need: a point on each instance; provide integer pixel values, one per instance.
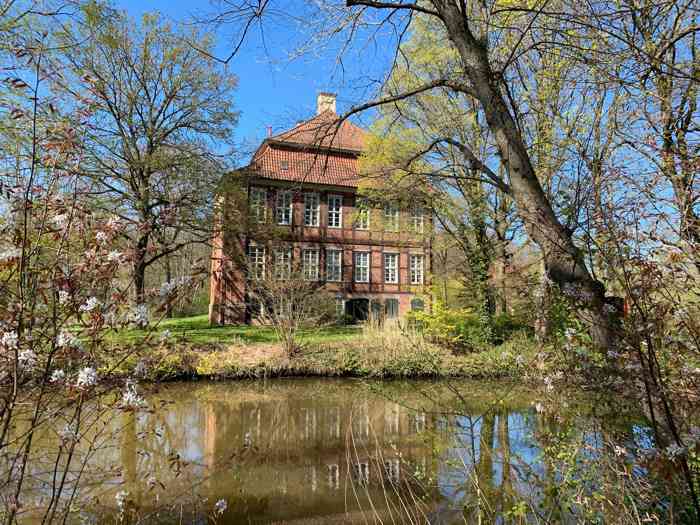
(456, 328)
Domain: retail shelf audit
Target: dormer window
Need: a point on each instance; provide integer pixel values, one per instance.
(284, 165)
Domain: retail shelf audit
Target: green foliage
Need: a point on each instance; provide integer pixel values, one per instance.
(455, 328)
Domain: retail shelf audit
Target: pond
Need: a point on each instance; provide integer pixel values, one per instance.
(328, 451)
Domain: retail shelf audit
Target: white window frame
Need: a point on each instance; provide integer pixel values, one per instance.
(312, 209)
(256, 261)
(364, 267)
(335, 211)
(417, 268)
(391, 274)
(258, 204)
(417, 219)
(284, 207)
(335, 273)
(362, 214)
(282, 262)
(391, 218)
(310, 263)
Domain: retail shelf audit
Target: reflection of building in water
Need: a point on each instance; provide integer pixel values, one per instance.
(419, 422)
(276, 451)
(360, 473)
(333, 476)
(392, 469)
(391, 418)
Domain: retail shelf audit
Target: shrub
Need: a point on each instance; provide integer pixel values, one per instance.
(456, 328)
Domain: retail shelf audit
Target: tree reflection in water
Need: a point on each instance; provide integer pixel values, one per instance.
(286, 450)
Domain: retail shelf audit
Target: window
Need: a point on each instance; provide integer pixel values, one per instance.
(391, 217)
(335, 211)
(361, 267)
(256, 261)
(417, 305)
(312, 206)
(310, 264)
(417, 219)
(416, 268)
(283, 263)
(284, 165)
(284, 207)
(391, 308)
(258, 204)
(391, 267)
(334, 265)
(361, 214)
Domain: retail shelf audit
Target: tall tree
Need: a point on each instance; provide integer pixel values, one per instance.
(161, 112)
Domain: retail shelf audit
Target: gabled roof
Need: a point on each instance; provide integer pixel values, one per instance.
(320, 150)
(325, 131)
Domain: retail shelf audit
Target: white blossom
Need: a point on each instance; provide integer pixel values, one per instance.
(91, 304)
(620, 451)
(220, 506)
(139, 315)
(27, 359)
(9, 340)
(67, 434)
(66, 339)
(63, 297)
(101, 237)
(121, 498)
(58, 376)
(10, 254)
(520, 360)
(131, 398)
(612, 354)
(87, 377)
(114, 256)
(60, 220)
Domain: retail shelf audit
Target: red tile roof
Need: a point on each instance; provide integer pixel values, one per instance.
(306, 166)
(317, 151)
(325, 131)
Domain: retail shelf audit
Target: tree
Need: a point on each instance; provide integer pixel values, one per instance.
(160, 112)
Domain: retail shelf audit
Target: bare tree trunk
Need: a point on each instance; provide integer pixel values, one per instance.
(563, 260)
(139, 269)
(168, 279)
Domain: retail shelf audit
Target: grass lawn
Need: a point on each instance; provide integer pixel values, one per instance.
(196, 330)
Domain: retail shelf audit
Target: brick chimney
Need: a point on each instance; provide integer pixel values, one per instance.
(325, 102)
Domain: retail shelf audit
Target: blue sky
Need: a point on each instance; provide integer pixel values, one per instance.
(274, 90)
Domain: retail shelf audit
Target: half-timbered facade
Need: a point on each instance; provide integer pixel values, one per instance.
(301, 190)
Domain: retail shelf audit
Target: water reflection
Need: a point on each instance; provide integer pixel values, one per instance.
(338, 451)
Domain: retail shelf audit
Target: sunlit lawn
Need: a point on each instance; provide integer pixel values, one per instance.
(196, 330)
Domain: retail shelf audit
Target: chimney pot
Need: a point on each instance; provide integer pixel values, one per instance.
(325, 102)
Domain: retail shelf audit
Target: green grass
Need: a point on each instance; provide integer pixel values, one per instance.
(196, 331)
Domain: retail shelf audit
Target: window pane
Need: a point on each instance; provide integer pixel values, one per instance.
(311, 209)
(392, 308)
(334, 265)
(391, 218)
(416, 267)
(391, 267)
(310, 265)
(417, 219)
(362, 267)
(258, 204)
(256, 261)
(284, 207)
(361, 214)
(283, 263)
(335, 211)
